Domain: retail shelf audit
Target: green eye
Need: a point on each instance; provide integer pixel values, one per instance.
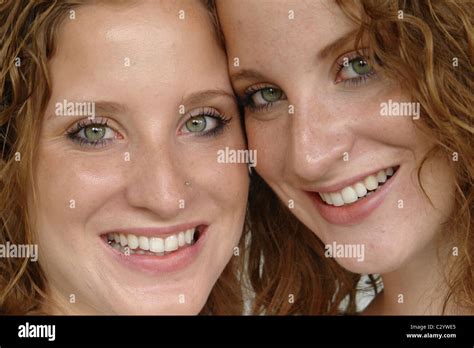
(94, 132)
(196, 124)
(271, 95)
(360, 66)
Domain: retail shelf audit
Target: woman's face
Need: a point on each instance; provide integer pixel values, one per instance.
(143, 171)
(293, 65)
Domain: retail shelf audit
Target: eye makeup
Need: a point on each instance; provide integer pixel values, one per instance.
(206, 115)
(96, 133)
(348, 64)
(92, 127)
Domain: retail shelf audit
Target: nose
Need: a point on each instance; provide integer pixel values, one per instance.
(158, 181)
(320, 138)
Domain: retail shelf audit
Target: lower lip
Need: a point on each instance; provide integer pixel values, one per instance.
(355, 212)
(173, 262)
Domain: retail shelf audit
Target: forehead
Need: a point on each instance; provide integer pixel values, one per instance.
(281, 24)
(112, 48)
(134, 29)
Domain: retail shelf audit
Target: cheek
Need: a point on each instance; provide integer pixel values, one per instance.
(232, 183)
(433, 208)
(226, 182)
(270, 139)
(228, 192)
(360, 117)
(68, 192)
(70, 188)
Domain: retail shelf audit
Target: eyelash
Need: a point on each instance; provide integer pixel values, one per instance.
(72, 134)
(246, 100)
(357, 81)
(222, 122)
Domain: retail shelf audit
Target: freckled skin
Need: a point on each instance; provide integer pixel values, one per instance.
(329, 120)
(139, 179)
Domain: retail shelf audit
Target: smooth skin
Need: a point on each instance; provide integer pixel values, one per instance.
(139, 64)
(335, 133)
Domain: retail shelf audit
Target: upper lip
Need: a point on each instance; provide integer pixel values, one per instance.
(347, 182)
(155, 231)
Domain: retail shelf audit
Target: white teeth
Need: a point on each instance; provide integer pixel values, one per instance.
(371, 182)
(157, 245)
(381, 177)
(351, 194)
(328, 198)
(132, 241)
(144, 243)
(181, 239)
(171, 243)
(123, 240)
(336, 199)
(147, 245)
(360, 189)
(189, 235)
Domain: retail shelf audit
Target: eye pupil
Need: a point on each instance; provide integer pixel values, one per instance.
(271, 94)
(94, 132)
(196, 124)
(361, 66)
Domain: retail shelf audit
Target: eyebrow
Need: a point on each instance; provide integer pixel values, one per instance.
(202, 97)
(107, 107)
(251, 74)
(100, 106)
(336, 45)
(247, 74)
(103, 107)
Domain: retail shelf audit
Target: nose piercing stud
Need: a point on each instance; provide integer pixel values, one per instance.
(187, 183)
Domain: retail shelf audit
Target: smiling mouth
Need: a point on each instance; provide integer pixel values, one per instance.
(131, 244)
(359, 190)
